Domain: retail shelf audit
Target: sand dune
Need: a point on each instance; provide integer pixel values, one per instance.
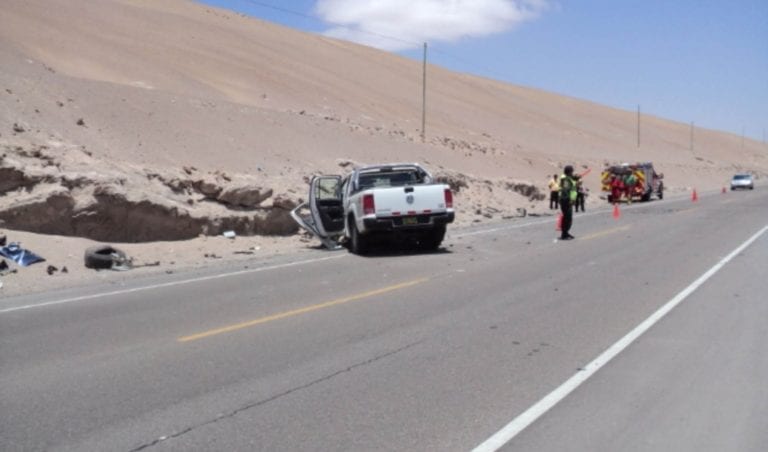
(130, 88)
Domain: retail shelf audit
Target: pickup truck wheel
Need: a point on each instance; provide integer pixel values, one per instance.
(432, 240)
(357, 243)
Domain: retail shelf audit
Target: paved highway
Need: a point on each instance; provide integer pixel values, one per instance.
(645, 333)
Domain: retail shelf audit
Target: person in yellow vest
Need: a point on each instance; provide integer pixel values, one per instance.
(581, 195)
(554, 193)
(568, 195)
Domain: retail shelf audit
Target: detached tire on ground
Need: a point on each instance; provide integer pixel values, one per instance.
(102, 257)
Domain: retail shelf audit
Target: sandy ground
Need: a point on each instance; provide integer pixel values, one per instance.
(66, 256)
(129, 97)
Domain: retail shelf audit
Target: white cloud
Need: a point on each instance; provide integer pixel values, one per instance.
(412, 22)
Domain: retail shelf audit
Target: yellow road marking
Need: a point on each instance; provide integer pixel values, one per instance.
(690, 209)
(283, 315)
(606, 232)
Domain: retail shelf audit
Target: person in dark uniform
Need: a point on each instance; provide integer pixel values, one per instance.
(567, 199)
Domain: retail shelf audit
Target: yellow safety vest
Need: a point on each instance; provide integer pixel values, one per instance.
(568, 187)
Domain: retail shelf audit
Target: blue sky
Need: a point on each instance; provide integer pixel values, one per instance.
(700, 61)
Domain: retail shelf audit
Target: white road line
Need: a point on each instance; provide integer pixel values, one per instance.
(309, 261)
(222, 275)
(553, 218)
(528, 417)
(168, 284)
(504, 228)
(549, 220)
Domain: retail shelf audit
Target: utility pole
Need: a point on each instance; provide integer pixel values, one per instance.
(691, 136)
(424, 96)
(742, 137)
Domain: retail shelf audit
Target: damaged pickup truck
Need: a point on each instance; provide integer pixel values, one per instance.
(395, 202)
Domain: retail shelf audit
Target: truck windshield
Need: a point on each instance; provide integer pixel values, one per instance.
(387, 179)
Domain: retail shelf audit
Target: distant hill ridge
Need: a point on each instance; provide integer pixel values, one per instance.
(177, 84)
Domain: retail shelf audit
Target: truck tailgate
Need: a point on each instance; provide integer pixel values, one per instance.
(409, 200)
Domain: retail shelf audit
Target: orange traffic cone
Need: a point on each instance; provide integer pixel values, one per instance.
(694, 196)
(616, 212)
(559, 223)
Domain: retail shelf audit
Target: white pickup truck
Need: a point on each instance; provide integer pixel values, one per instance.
(375, 203)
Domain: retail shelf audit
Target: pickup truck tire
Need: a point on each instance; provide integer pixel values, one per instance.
(358, 244)
(432, 239)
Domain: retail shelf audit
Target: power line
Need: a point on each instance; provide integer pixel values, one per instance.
(416, 45)
(281, 9)
(476, 67)
(470, 66)
(317, 20)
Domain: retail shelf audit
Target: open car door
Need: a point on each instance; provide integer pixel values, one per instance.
(325, 219)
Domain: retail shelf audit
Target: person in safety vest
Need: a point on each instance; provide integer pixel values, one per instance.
(581, 195)
(554, 193)
(568, 195)
(629, 186)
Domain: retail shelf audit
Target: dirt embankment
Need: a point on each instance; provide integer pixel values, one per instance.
(62, 190)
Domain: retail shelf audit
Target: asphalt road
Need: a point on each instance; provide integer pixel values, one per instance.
(401, 351)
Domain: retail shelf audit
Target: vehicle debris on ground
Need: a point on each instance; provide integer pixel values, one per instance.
(107, 257)
(21, 256)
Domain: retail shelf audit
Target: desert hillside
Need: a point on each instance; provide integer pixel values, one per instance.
(137, 121)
